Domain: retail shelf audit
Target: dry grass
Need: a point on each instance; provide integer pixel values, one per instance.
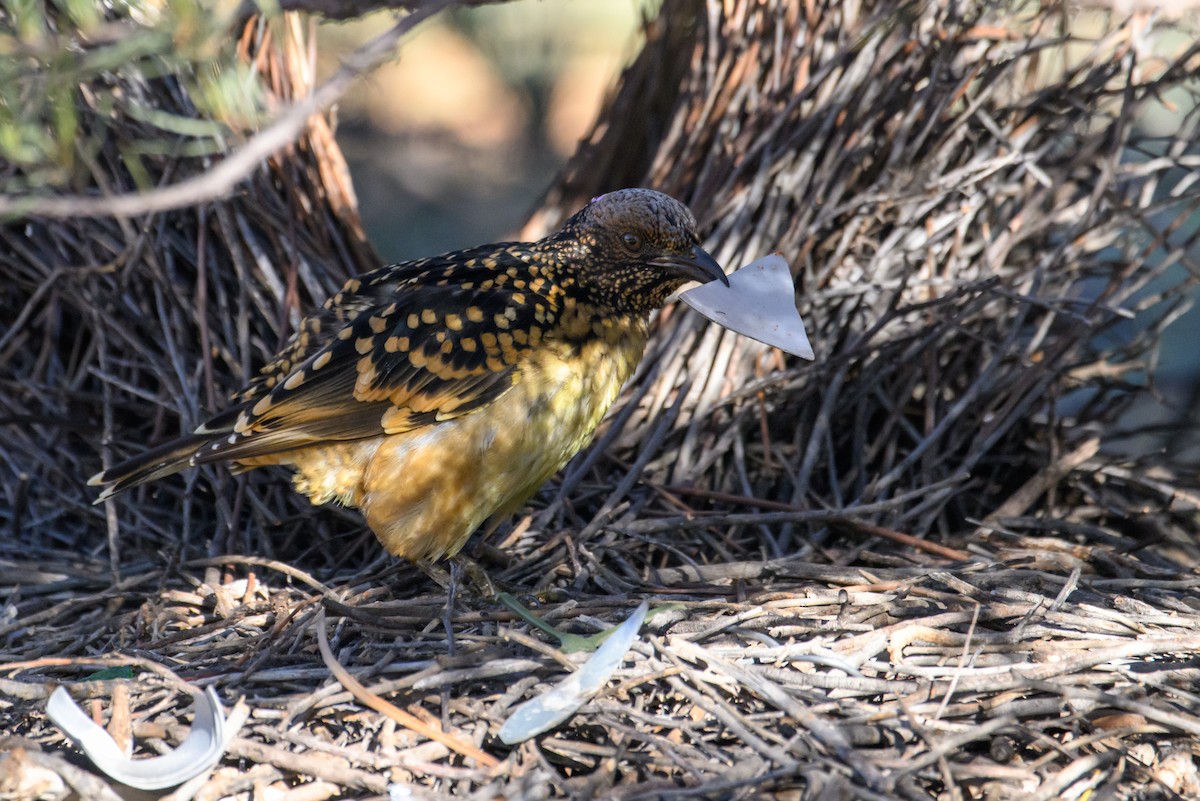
(914, 569)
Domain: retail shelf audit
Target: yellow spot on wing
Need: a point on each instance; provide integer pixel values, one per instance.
(366, 374)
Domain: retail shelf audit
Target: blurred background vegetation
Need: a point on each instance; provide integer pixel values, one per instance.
(450, 144)
(453, 143)
(49, 52)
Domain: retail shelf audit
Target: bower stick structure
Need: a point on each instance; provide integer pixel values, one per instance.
(929, 565)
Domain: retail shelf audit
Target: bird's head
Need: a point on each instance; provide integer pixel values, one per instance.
(630, 249)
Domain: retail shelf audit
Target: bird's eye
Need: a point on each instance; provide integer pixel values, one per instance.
(633, 242)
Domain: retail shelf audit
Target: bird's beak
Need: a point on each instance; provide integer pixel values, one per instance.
(696, 266)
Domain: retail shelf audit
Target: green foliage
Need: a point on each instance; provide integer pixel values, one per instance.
(70, 67)
(119, 673)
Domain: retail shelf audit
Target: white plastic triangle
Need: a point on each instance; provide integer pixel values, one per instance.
(760, 302)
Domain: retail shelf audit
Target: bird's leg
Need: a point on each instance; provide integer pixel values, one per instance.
(478, 583)
(451, 597)
(450, 580)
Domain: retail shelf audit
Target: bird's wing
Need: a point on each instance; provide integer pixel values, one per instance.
(360, 294)
(419, 346)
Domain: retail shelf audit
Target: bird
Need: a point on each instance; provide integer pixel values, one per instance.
(437, 394)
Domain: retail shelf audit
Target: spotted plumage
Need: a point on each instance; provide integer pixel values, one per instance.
(438, 393)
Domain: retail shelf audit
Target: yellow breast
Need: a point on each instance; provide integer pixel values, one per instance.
(425, 491)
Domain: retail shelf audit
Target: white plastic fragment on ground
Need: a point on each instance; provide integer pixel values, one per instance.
(552, 707)
(760, 302)
(199, 752)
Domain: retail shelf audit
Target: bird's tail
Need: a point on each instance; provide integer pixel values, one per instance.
(166, 459)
